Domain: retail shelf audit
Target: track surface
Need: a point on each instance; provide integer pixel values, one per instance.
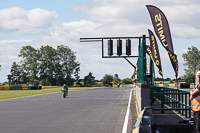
(99, 110)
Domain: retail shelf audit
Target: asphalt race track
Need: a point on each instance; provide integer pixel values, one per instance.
(99, 110)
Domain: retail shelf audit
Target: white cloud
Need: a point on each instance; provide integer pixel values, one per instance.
(104, 18)
(14, 41)
(182, 16)
(33, 21)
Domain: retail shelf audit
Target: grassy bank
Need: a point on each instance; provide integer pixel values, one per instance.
(8, 94)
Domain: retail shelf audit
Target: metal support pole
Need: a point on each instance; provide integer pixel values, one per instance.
(162, 101)
(102, 49)
(144, 57)
(129, 62)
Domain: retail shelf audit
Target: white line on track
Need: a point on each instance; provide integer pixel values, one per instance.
(125, 126)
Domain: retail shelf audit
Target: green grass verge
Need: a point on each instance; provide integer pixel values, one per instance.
(8, 94)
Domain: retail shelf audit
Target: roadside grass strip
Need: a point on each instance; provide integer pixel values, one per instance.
(9, 94)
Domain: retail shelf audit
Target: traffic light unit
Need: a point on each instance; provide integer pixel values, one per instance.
(119, 47)
(110, 47)
(128, 47)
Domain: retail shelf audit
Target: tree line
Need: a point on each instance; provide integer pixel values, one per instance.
(108, 80)
(47, 65)
(56, 66)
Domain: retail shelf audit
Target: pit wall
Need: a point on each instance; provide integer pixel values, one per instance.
(142, 96)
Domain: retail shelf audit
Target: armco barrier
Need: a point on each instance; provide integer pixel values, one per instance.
(32, 88)
(165, 85)
(18, 87)
(185, 85)
(172, 85)
(24, 87)
(138, 122)
(96, 85)
(12, 88)
(161, 85)
(144, 121)
(35, 87)
(5, 87)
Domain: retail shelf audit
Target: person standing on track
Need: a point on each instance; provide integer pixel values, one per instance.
(195, 99)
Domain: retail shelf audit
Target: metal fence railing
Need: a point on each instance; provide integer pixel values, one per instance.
(176, 99)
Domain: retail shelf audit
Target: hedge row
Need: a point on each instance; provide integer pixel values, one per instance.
(20, 88)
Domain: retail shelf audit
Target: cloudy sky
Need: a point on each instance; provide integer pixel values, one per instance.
(55, 22)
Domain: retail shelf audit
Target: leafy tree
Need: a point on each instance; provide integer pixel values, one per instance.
(189, 76)
(68, 61)
(15, 72)
(44, 82)
(24, 78)
(107, 79)
(48, 65)
(167, 79)
(127, 81)
(30, 62)
(76, 75)
(158, 79)
(89, 79)
(192, 59)
(116, 79)
(9, 79)
(48, 61)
